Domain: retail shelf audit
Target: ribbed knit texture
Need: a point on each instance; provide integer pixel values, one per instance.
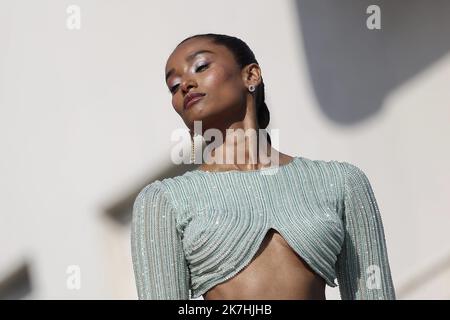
(194, 231)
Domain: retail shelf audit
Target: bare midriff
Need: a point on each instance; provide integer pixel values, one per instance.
(276, 272)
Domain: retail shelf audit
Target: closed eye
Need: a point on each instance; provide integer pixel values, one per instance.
(172, 89)
(202, 67)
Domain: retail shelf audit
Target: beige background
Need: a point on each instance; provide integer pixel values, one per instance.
(86, 122)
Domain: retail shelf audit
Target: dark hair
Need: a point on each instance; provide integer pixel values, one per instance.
(243, 56)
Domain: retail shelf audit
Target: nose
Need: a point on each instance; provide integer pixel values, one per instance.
(187, 85)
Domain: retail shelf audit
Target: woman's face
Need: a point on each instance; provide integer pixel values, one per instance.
(199, 66)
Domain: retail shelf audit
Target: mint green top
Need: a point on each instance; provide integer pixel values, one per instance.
(194, 231)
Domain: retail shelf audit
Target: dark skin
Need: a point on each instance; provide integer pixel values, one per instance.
(276, 271)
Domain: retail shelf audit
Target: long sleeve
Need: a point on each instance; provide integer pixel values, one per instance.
(159, 263)
(362, 266)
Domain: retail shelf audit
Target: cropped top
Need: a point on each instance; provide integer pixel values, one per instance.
(196, 230)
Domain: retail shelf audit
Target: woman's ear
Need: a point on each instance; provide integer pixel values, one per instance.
(251, 74)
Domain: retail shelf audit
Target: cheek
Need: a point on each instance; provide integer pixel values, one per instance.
(177, 103)
(221, 82)
(216, 77)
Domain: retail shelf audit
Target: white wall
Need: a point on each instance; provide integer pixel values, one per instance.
(86, 120)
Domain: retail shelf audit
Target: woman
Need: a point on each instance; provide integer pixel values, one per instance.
(233, 231)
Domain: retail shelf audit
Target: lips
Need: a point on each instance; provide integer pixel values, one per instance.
(192, 98)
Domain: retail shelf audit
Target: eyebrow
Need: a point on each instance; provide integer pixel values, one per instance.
(188, 58)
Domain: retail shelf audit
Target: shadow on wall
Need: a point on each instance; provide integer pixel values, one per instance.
(17, 284)
(122, 210)
(352, 68)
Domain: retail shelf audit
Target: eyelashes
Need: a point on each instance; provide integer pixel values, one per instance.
(198, 69)
(201, 67)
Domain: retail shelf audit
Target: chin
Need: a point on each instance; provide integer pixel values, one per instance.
(197, 111)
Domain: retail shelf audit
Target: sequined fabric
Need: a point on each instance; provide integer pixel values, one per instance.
(201, 228)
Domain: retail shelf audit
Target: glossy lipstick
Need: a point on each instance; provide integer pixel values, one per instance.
(191, 98)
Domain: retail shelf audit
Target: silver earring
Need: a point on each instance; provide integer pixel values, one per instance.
(251, 88)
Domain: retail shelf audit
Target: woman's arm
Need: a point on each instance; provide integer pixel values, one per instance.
(362, 267)
(159, 264)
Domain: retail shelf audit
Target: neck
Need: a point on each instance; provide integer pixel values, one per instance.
(242, 149)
